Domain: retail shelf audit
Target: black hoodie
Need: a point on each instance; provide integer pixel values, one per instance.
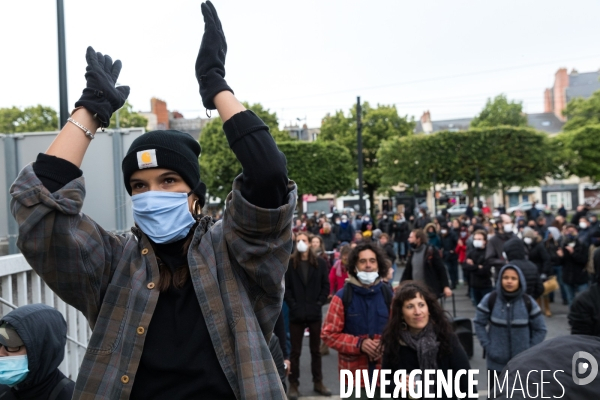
(517, 255)
(43, 330)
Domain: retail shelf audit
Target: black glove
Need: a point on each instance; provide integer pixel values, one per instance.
(210, 64)
(101, 97)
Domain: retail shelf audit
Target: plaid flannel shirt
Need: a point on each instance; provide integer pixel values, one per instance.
(348, 346)
(237, 267)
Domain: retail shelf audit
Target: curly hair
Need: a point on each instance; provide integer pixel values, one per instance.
(383, 262)
(408, 290)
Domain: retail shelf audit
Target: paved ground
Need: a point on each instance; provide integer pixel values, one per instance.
(557, 326)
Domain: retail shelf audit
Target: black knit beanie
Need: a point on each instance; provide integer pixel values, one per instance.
(170, 149)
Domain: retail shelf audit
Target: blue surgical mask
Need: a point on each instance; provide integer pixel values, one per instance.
(163, 216)
(13, 370)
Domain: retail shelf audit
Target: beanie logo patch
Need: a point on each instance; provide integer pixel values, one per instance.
(147, 159)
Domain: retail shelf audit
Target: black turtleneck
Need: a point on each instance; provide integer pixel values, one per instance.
(179, 360)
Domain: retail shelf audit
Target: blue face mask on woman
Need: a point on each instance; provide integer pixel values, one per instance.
(163, 216)
(13, 370)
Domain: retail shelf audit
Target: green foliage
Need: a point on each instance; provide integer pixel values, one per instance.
(218, 164)
(378, 124)
(504, 156)
(318, 167)
(581, 112)
(30, 119)
(584, 147)
(128, 118)
(500, 112)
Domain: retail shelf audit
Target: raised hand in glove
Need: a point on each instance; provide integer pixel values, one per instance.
(101, 97)
(210, 64)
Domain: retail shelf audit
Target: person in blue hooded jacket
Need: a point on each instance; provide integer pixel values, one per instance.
(510, 323)
(32, 346)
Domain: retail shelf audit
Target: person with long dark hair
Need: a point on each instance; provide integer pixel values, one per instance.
(306, 291)
(420, 336)
(181, 306)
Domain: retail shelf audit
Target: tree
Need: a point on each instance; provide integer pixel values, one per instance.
(218, 164)
(504, 157)
(581, 112)
(318, 167)
(30, 119)
(584, 148)
(500, 112)
(378, 124)
(128, 118)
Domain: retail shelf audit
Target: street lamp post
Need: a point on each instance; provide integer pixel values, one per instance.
(62, 64)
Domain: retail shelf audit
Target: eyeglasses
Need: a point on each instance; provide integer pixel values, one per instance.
(11, 349)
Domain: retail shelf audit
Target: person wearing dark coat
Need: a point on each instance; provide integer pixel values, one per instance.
(39, 333)
(401, 233)
(306, 291)
(516, 254)
(419, 336)
(448, 246)
(423, 219)
(386, 224)
(562, 211)
(425, 264)
(581, 212)
(575, 258)
(469, 211)
(584, 315)
(494, 250)
(480, 273)
(330, 240)
(345, 231)
(554, 355)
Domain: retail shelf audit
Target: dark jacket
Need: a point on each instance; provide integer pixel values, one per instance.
(541, 258)
(44, 332)
(516, 253)
(584, 316)
(574, 272)
(345, 232)
(495, 247)
(480, 278)
(401, 232)
(555, 355)
(408, 360)
(305, 300)
(330, 241)
(436, 277)
(552, 248)
(387, 226)
(449, 242)
(388, 248)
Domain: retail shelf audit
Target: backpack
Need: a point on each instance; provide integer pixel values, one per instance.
(348, 293)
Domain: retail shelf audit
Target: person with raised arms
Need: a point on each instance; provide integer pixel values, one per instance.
(181, 307)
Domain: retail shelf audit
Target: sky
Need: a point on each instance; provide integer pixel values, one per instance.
(304, 59)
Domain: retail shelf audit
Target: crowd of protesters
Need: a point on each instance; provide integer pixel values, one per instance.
(501, 260)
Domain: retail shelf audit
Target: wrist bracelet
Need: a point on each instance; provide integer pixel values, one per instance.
(88, 133)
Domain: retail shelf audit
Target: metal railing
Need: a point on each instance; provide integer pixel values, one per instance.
(20, 285)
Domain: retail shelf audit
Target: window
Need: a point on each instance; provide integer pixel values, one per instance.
(555, 199)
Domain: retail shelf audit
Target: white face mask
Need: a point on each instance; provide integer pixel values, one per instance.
(490, 236)
(367, 278)
(478, 244)
(527, 240)
(444, 231)
(508, 228)
(582, 225)
(301, 246)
